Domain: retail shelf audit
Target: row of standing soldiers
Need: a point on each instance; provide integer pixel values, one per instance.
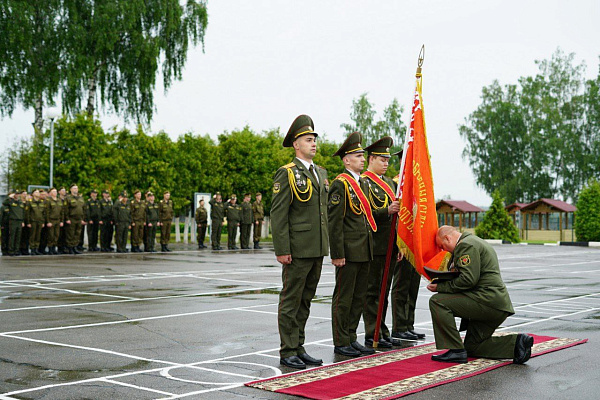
(52, 222)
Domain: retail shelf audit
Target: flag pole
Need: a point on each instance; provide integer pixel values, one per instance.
(390, 247)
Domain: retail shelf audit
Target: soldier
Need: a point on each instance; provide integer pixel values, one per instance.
(246, 222)
(152, 221)
(217, 213)
(233, 212)
(138, 216)
(36, 219)
(44, 233)
(122, 219)
(16, 222)
(62, 238)
(351, 244)
(106, 222)
(55, 215)
(165, 209)
(93, 215)
(75, 219)
(300, 239)
(201, 223)
(259, 216)
(25, 232)
(4, 216)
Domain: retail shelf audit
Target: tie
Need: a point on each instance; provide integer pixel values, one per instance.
(311, 169)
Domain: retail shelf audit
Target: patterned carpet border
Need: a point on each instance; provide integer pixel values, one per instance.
(311, 383)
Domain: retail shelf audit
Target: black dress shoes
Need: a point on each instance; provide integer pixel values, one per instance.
(418, 335)
(308, 360)
(453, 356)
(405, 335)
(361, 348)
(383, 343)
(394, 341)
(293, 362)
(523, 348)
(347, 351)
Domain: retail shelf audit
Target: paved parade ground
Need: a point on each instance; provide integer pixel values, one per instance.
(199, 324)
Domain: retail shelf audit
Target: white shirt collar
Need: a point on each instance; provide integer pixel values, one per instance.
(355, 175)
(305, 163)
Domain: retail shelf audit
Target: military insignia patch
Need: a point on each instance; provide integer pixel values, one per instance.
(276, 187)
(464, 260)
(335, 199)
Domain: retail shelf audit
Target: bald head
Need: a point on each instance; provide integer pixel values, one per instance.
(447, 237)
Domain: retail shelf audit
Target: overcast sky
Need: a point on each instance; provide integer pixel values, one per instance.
(265, 62)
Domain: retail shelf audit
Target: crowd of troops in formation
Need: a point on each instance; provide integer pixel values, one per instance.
(53, 222)
(350, 219)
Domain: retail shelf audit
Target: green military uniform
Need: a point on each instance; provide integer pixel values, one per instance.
(93, 217)
(233, 212)
(217, 213)
(379, 200)
(138, 216)
(152, 220)
(44, 231)
(246, 224)
(350, 239)
(122, 219)
(201, 218)
(299, 223)
(62, 237)
(37, 219)
(25, 232)
(55, 215)
(16, 220)
(107, 226)
(75, 213)
(478, 295)
(4, 211)
(259, 216)
(165, 208)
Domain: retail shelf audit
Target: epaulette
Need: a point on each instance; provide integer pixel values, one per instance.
(288, 166)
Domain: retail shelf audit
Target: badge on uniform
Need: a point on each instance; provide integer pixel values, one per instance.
(335, 199)
(276, 187)
(464, 260)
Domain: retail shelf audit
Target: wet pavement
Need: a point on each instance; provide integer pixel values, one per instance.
(198, 324)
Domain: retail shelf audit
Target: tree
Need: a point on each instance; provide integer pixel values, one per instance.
(496, 223)
(587, 223)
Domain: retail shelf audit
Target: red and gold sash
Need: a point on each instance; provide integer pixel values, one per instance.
(382, 184)
(364, 202)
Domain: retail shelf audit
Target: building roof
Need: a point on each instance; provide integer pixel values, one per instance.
(558, 205)
(459, 205)
(518, 206)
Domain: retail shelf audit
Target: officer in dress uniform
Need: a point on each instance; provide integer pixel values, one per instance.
(55, 217)
(233, 212)
(122, 218)
(300, 238)
(75, 219)
(351, 244)
(381, 194)
(106, 222)
(36, 220)
(138, 216)
(246, 223)
(93, 219)
(259, 216)
(165, 211)
(152, 221)
(201, 223)
(217, 213)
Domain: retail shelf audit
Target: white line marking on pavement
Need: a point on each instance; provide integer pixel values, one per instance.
(136, 387)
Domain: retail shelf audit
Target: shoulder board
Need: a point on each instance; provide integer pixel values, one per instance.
(288, 166)
(323, 168)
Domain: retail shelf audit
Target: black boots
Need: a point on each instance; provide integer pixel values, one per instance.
(256, 246)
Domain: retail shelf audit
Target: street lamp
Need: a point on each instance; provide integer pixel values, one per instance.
(52, 113)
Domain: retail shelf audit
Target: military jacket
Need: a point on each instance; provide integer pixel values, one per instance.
(92, 210)
(201, 215)
(234, 213)
(55, 211)
(106, 210)
(258, 210)
(299, 212)
(36, 211)
(75, 208)
(247, 217)
(152, 213)
(217, 210)
(380, 201)
(479, 276)
(138, 211)
(5, 211)
(165, 209)
(121, 213)
(349, 233)
(16, 210)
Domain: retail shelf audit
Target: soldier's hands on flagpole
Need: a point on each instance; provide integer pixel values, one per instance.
(285, 259)
(338, 262)
(394, 207)
(432, 287)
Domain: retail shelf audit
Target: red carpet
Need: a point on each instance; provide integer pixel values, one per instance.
(391, 374)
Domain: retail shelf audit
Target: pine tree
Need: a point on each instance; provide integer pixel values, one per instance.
(587, 223)
(496, 223)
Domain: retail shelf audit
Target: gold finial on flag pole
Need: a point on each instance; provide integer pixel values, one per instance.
(420, 61)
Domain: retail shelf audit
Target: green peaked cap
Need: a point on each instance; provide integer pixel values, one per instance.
(381, 147)
(350, 145)
(302, 125)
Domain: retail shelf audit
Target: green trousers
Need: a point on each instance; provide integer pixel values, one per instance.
(482, 322)
(245, 230)
(404, 296)
(257, 230)
(74, 232)
(53, 233)
(215, 233)
(232, 229)
(35, 234)
(348, 301)
(300, 280)
(121, 231)
(137, 233)
(201, 232)
(165, 231)
(376, 268)
(14, 235)
(150, 236)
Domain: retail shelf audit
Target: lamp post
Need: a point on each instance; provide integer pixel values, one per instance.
(52, 114)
